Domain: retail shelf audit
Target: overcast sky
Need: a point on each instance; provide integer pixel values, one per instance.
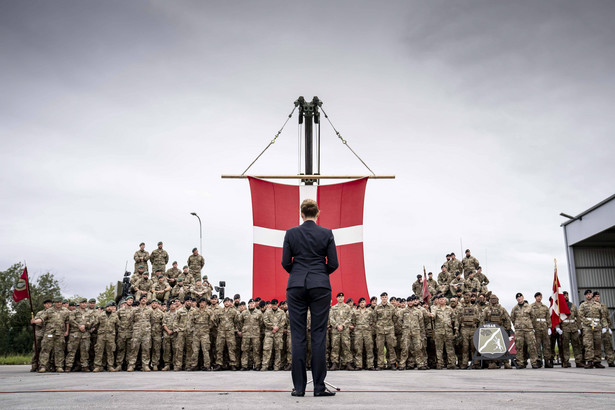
(118, 118)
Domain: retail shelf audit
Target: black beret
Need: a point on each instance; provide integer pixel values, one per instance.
(408, 298)
(237, 296)
(283, 303)
(430, 273)
(419, 276)
(274, 301)
(518, 294)
(203, 300)
(340, 294)
(262, 304)
(214, 296)
(142, 243)
(349, 300)
(413, 297)
(47, 301)
(160, 243)
(467, 250)
(242, 303)
(565, 292)
(537, 294)
(187, 297)
(384, 294)
(587, 291)
(227, 298)
(596, 293)
(251, 300)
(361, 300)
(257, 299)
(142, 297)
(194, 249)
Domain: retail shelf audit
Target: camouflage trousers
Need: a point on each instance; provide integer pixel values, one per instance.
(340, 346)
(363, 340)
(200, 342)
(287, 344)
(52, 342)
(167, 348)
(249, 344)
(467, 345)
(142, 340)
(36, 348)
(444, 343)
(592, 341)
(411, 345)
(124, 340)
(156, 347)
(526, 338)
(607, 343)
(78, 342)
(105, 342)
(273, 342)
(226, 339)
(188, 347)
(569, 337)
(390, 341)
(543, 341)
(179, 345)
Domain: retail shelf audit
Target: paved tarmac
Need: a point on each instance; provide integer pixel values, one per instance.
(527, 388)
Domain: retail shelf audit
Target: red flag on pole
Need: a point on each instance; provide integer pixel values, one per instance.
(22, 288)
(559, 307)
(426, 292)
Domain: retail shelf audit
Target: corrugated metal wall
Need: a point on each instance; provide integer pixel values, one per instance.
(595, 270)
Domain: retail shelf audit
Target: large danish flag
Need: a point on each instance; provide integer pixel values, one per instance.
(275, 208)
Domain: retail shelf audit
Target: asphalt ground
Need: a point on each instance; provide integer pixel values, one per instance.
(526, 388)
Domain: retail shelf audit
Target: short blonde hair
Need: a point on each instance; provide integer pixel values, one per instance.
(309, 208)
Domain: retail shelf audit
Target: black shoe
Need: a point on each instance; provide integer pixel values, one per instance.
(298, 393)
(217, 368)
(598, 365)
(325, 393)
(611, 364)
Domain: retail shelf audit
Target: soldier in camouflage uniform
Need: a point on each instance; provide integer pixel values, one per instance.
(469, 263)
(208, 286)
(195, 263)
(161, 290)
(445, 330)
(79, 337)
(444, 278)
(157, 321)
(168, 337)
(363, 323)
(124, 332)
(249, 323)
(39, 330)
(413, 326)
(457, 284)
(141, 335)
(275, 323)
(143, 287)
(385, 331)
(287, 338)
(469, 318)
(432, 284)
(472, 284)
(197, 290)
(181, 290)
(521, 317)
(417, 286)
(226, 322)
(482, 278)
(607, 339)
(141, 257)
(107, 324)
(181, 324)
(454, 265)
(594, 324)
(159, 259)
(55, 322)
(496, 314)
(340, 318)
(570, 330)
(136, 276)
(202, 320)
(542, 329)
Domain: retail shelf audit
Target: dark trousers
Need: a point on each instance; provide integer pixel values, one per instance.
(319, 302)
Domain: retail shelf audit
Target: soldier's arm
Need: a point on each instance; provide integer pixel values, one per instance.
(267, 321)
(485, 280)
(166, 257)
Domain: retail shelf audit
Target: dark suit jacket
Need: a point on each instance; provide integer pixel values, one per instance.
(309, 256)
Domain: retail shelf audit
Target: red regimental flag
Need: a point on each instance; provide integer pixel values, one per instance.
(22, 288)
(426, 292)
(275, 208)
(559, 308)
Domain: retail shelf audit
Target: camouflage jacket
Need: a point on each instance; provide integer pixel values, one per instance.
(363, 319)
(273, 318)
(159, 257)
(592, 316)
(469, 264)
(125, 317)
(522, 317)
(443, 319)
(201, 320)
(468, 316)
(77, 318)
(55, 321)
(157, 320)
(340, 315)
(107, 323)
(412, 319)
(541, 317)
(141, 258)
(226, 319)
(496, 314)
(141, 319)
(250, 322)
(181, 322)
(384, 318)
(195, 263)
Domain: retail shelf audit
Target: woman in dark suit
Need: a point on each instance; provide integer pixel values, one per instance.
(309, 256)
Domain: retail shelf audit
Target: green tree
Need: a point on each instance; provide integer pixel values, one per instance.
(107, 295)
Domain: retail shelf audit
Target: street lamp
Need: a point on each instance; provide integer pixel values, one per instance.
(200, 231)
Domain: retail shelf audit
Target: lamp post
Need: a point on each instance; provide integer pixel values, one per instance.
(200, 231)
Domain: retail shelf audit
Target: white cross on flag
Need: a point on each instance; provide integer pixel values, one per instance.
(275, 208)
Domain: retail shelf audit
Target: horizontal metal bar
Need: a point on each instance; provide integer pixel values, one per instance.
(310, 176)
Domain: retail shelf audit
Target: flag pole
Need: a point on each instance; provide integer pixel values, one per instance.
(32, 315)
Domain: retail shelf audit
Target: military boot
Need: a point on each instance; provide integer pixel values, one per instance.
(549, 364)
(598, 365)
(611, 364)
(130, 369)
(146, 369)
(97, 370)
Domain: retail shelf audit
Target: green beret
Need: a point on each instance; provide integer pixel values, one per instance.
(64, 300)
(83, 300)
(47, 301)
(110, 303)
(130, 297)
(185, 267)
(71, 304)
(92, 300)
(57, 299)
(160, 276)
(180, 279)
(159, 243)
(141, 267)
(204, 276)
(174, 263)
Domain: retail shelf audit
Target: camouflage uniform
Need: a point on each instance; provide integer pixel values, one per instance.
(454, 266)
(593, 321)
(273, 341)
(197, 291)
(158, 286)
(226, 324)
(363, 322)
(482, 278)
(496, 314)
(570, 334)
(340, 315)
(173, 273)
(141, 258)
(143, 287)
(141, 337)
(195, 265)
(159, 259)
(413, 327)
(250, 321)
(521, 317)
(607, 339)
(444, 333)
(167, 339)
(385, 332)
(78, 340)
(471, 284)
(209, 287)
(469, 317)
(201, 321)
(470, 264)
(107, 324)
(180, 291)
(39, 330)
(444, 278)
(417, 288)
(542, 324)
(54, 321)
(124, 335)
(457, 284)
(157, 320)
(181, 325)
